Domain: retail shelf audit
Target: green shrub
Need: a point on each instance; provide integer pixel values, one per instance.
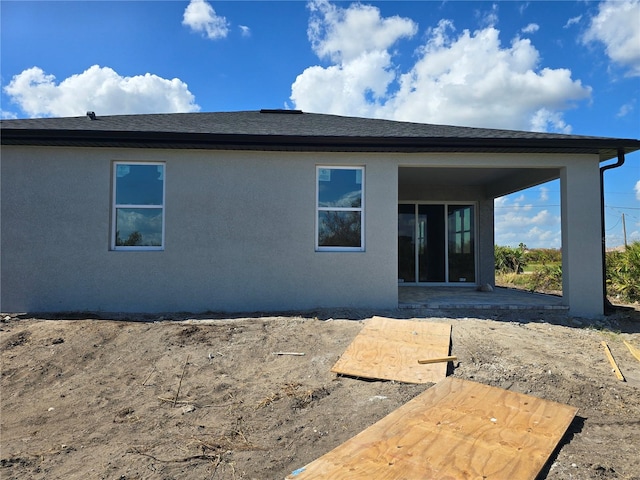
(548, 277)
(623, 273)
(544, 270)
(544, 256)
(510, 259)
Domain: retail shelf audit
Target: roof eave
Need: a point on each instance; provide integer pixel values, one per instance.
(604, 147)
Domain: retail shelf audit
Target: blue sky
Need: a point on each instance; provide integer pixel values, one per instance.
(565, 67)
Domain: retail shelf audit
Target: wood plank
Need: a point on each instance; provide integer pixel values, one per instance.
(389, 349)
(456, 429)
(450, 358)
(612, 361)
(634, 351)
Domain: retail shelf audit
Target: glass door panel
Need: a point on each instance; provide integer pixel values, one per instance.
(436, 243)
(406, 243)
(431, 243)
(461, 255)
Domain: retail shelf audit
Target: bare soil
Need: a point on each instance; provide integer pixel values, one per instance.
(204, 397)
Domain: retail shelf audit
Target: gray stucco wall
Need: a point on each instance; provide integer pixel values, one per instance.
(240, 231)
(581, 238)
(239, 234)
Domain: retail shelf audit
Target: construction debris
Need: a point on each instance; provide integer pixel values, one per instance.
(388, 348)
(616, 370)
(450, 358)
(634, 351)
(455, 429)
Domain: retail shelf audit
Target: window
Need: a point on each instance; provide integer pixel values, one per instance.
(138, 206)
(462, 263)
(340, 208)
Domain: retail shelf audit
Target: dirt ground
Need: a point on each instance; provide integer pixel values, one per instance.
(204, 397)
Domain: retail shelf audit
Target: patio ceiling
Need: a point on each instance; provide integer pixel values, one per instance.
(495, 181)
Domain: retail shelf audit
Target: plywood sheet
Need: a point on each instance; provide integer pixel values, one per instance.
(456, 429)
(389, 349)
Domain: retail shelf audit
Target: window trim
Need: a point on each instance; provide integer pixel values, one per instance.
(115, 207)
(360, 209)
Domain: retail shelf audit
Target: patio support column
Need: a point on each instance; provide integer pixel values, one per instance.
(486, 241)
(581, 242)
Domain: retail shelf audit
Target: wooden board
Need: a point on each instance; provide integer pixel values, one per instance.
(634, 351)
(455, 430)
(389, 349)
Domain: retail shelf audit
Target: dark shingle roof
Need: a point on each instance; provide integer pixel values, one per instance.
(292, 130)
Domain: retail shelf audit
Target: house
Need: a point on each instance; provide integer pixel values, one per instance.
(276, 210)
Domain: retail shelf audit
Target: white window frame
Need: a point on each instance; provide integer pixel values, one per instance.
(115, 206)
(360, 209)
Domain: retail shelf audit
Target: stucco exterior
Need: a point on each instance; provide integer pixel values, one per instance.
(239, 234)
(241, 209)
(581, 238)
(240, 230)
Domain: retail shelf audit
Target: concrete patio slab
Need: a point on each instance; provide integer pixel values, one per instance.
(464, 297)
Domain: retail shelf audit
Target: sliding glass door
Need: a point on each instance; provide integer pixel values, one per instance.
(436, 243)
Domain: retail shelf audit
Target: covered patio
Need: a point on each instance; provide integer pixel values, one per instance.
(470, 298)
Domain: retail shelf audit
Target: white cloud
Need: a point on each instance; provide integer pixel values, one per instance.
(521, 216)
(357, 39)
(544, 194)
(245, 31)
(616, 26)
(488, 18)
(516, 222)
(637, 189)
(626, 109)
(500, 201)
(344, 35)
(573, 21)
(472, 80)
(100, 89)
(201, 17)
(531, 28)
(6, 115)
(147, 224)
(353, 88)
(633, 227)
(465, 79)
(545, 120)
(616, 238)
